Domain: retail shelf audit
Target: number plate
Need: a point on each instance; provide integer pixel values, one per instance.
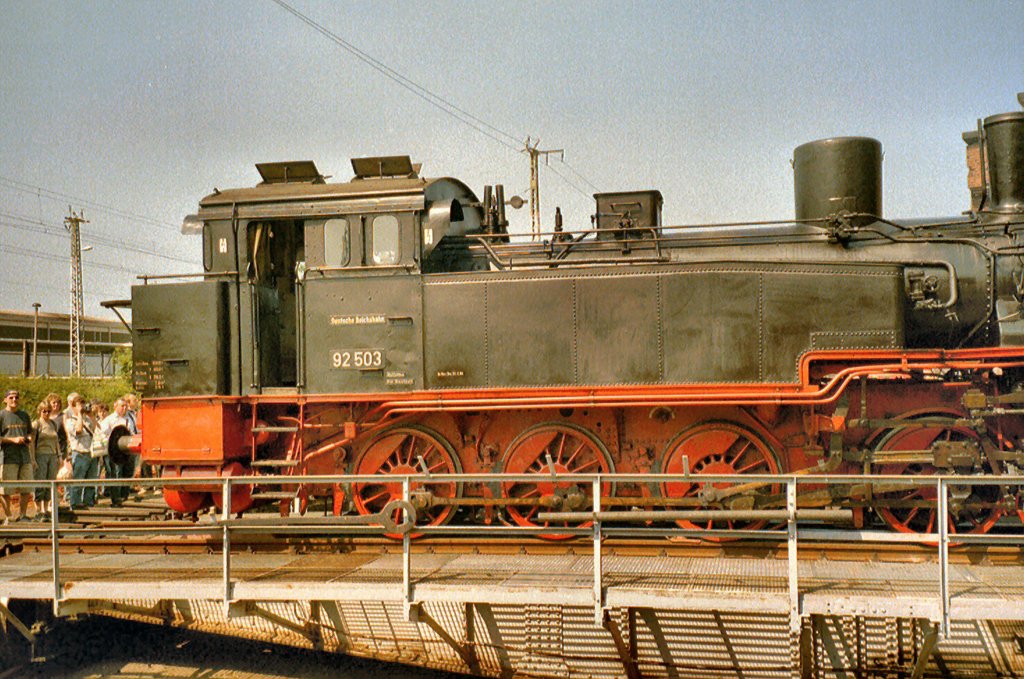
(358, 359)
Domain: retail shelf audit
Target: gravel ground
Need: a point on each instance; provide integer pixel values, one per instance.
(103, 648)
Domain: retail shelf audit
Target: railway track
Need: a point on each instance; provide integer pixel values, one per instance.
(888, 553)
(154, 542)
(136, 528)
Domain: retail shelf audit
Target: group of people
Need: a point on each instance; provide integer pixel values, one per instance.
(79, 436)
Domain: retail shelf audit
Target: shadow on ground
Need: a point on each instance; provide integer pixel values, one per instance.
(100, 648)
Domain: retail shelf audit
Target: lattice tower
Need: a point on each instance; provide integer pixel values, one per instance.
(73, 223)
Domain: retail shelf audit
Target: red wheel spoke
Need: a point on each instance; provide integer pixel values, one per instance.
(753, 465)
(396, 459)
(579, 449)
(561, 448)
(374, 498)
(736, 458)
(585, 465)
(442, 463)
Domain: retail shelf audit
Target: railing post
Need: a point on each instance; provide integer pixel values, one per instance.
(943, 519)
(407, 598)
(794, 582)
(58, 592)
(598, 567)
(226, 542)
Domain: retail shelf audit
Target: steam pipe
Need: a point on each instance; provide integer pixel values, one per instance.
(499, 198)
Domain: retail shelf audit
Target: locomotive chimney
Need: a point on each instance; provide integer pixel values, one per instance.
(836, 176)
(1004, 145)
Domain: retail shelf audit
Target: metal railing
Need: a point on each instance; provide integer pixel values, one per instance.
(386, 521)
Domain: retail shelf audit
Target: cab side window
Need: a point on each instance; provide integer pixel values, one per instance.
(336, 242)
(385, 240)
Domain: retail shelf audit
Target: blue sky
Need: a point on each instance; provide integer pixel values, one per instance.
(144, 107)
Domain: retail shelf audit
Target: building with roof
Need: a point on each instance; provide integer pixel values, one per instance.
(100, 338)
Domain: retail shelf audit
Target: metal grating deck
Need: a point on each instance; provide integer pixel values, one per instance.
(851, 588)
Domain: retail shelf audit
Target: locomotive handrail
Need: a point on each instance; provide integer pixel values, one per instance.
(145, 278)
(954, 286)
(381, 267)
(817, 222)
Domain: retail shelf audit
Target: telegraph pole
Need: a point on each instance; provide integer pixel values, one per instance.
(35, 339)
(73, 224)
(535, 181)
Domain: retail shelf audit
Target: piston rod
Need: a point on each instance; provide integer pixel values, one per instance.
(702, 515)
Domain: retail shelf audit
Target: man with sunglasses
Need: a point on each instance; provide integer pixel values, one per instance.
(18, 457)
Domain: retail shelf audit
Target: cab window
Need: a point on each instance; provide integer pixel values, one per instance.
(207, 247)
(336, 242)
(384, 240)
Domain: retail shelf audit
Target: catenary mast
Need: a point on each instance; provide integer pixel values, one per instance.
(73, 223)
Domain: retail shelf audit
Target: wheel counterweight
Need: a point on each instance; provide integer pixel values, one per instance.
(397, 452)
(561, 449)
(718, 448)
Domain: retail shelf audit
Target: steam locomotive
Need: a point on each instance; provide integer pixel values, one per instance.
(392, 325)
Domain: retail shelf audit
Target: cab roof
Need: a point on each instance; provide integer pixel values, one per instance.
(375, 177)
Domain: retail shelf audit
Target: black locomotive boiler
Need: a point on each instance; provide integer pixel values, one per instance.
(391, 324)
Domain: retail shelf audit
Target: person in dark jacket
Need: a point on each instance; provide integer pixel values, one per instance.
(19, 459)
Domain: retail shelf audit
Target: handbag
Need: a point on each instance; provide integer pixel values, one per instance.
(99, 445)
(65, 472)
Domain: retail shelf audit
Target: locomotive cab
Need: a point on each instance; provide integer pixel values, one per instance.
(317, 284)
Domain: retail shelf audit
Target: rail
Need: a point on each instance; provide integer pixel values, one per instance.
(399, 517)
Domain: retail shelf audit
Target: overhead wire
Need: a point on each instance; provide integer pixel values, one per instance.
(567, 180)
(435, 100)
(49, 256)
(415, 88)
(50, 194)
(580, 175)
(35, 285)
(30, 224)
